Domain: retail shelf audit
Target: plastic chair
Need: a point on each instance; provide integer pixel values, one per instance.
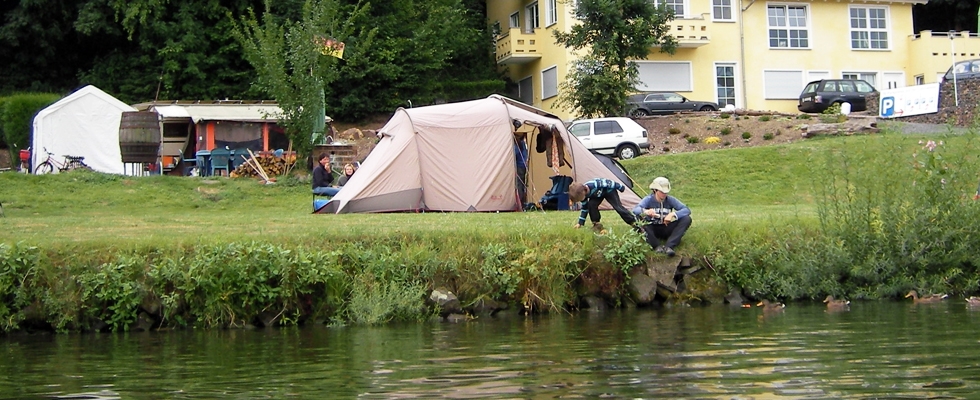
(238, 157)
(188, 163)
(220, 159)
(203, 167)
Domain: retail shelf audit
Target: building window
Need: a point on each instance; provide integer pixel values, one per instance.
(870, 77)
(551, 12)
(495, 29)
(549, 83)
(676, 5)
(525, 91)
(920, 80)
(782, 84)
(532, 21)
(515, 20)
(869, 29)
(725, 83)
(788, 27)
(721, 10)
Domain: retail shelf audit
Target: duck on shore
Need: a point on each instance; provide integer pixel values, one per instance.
(932, 298)
(836, 304)
(973, 301)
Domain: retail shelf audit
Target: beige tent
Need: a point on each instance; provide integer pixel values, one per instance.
(460, 157)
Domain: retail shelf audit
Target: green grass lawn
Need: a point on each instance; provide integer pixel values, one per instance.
(722, 187)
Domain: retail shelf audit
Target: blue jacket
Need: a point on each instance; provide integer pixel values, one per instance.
(598, 189)
(669, 204)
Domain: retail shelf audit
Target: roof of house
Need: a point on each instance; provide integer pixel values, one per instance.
(221, 111)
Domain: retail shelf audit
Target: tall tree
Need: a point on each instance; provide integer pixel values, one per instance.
(613, 32)
(424, 52)
(171, 49)
(946, 15)
(293, 64)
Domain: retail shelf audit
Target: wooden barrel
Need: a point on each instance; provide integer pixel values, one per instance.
(139, 136)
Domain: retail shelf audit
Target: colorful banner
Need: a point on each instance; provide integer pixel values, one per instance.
(330, 46)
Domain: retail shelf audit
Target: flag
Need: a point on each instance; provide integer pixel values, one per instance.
(330, 46)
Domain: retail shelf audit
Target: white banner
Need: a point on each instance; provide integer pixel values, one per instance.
(909, 100)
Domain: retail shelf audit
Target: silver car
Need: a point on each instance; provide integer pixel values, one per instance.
(651, 103)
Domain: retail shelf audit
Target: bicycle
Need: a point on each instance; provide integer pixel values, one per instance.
(70, 163)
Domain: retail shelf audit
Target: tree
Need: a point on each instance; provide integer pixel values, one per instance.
(291, 62)
(614, 32)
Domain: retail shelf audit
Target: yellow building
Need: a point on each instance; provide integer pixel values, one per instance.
(755, 55)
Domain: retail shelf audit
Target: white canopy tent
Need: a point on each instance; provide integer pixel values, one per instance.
(84, 123)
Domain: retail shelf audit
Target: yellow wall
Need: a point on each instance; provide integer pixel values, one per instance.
(747, 46)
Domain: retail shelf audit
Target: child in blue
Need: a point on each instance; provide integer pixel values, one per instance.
(663, 217)
(592, 193)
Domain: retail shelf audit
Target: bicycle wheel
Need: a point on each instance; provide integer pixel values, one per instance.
(45, 168)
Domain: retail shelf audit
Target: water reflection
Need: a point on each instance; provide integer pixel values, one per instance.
(874, 350)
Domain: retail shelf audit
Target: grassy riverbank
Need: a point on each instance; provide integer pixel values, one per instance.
(862, 217)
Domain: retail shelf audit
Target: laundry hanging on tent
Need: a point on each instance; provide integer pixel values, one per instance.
(549, 142)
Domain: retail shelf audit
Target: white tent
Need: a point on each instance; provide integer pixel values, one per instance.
(460, 157)
(84, 123)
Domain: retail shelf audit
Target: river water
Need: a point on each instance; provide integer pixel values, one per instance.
(875, 350)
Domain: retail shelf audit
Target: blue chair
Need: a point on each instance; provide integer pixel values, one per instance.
(238, 157)
(188, 163)
(220, 159)
(203, 165)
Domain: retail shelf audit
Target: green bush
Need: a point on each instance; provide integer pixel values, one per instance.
(765, 118)
(692, 139)
(746, 135)
(17, 115)
(726, 130)
(673, 131)
(767, 136)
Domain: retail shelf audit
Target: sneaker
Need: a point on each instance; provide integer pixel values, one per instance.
(669, 251)
(660, 249)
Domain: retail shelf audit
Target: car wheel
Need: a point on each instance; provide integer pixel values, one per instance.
(627, 151)
(639, 112)
(707, 108)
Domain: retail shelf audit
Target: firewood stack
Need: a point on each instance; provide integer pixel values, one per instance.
(269, 165)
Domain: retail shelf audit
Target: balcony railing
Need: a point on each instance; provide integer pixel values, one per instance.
(691, 32)
(516, 47)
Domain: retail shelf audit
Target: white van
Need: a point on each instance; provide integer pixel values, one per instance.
(617, 136)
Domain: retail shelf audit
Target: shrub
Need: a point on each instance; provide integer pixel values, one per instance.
(692, 139)
(16, 115)
(687, 120)
(712, 140)
(725, 115)
(767, 136)
(765, 118)
(746, 135)
(673, 131)
(803, 116)
(727, 143)
(726, 130)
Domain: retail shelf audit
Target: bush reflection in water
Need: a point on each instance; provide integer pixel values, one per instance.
(875, 349)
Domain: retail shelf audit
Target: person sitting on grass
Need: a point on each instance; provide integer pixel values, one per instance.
(323, 177)
(663, 217)
(591, 194)
(349, 170)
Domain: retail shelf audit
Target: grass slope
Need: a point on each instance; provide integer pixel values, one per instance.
(91, 209)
